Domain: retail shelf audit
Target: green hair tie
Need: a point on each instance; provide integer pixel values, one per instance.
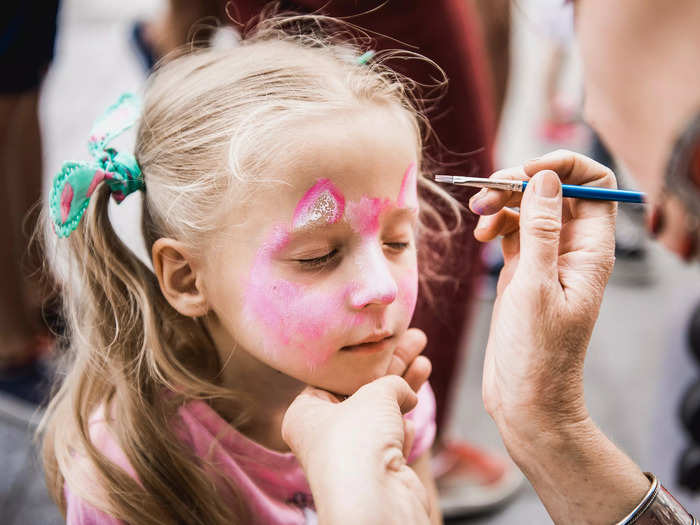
(77, 181)
(365, 57)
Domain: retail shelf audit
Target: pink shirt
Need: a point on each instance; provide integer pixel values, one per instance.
(271, 483)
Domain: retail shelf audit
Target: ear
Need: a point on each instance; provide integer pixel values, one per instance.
(178, 276)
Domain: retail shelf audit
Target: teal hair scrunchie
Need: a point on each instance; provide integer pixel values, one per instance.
(76, 182)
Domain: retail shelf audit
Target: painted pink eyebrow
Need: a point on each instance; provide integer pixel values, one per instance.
(393, 213)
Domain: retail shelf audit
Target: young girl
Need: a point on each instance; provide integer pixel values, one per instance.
(282, 204)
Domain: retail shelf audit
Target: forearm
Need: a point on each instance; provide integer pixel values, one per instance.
(578, 473)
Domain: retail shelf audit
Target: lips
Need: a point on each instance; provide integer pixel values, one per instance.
(375, 342)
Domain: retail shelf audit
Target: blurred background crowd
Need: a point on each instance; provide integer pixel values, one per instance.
(515, 93)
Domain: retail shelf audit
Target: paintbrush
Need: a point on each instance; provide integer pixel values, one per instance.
(568, 190)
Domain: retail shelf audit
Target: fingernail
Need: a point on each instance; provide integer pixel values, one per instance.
(547, 184)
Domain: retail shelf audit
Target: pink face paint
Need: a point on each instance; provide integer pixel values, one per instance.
(313, 320)
(375, 284)
(323, 202)
(408, 194)
(295, 316)
(408, 291)
(363, 216)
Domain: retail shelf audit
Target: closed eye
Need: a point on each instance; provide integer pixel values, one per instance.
(317, 262)
(398, 246)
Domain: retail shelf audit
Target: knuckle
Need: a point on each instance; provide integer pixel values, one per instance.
(608, 180)
(544, 226)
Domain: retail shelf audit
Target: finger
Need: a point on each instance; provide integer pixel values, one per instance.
(409, 346)
(489, 201)
(418, 372)
(306, 407)
(505, 277)
(489, 227)
(572, 168)
(510, 246)
(577, 169)
(393, 387)
(409, 433)
(540, 227)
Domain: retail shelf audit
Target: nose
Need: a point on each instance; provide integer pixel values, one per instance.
(374, 282)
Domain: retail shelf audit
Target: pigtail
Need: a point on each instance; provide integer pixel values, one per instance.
(210, 124)
(115, 305)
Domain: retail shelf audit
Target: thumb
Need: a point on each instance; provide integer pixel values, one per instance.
(390, 387)
(540, 225)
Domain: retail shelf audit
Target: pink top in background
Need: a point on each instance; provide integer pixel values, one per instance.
(272, 484)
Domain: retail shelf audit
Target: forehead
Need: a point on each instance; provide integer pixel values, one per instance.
(362, 153)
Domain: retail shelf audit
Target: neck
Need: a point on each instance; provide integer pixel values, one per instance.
(267, 394)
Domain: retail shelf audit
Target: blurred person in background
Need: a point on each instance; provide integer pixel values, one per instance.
(28, 33)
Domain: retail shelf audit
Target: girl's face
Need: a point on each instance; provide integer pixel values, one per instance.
(321, 278)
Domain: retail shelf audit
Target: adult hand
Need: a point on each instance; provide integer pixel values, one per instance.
(558, 257)
(354, 451)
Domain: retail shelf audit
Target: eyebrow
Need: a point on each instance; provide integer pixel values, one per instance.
(403, 212)
(393, 213)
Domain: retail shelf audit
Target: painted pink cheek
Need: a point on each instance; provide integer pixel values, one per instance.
(408, 194)
(408, 292)
(294, 317)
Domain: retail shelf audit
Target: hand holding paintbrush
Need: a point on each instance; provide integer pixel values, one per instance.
(515, 180)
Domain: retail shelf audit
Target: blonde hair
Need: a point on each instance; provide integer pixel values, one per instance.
(207, 118)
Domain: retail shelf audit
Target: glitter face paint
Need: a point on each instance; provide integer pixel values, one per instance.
(363, 216)
(323, 202)
(313, 320)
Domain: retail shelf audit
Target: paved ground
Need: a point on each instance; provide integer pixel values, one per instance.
(638, 365)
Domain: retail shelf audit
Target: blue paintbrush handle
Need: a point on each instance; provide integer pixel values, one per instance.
(600, 194)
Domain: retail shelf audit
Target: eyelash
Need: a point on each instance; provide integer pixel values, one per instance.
(318, 262)
(398, 246)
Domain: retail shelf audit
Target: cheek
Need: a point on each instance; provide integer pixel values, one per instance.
(408, 292)
(295, 320)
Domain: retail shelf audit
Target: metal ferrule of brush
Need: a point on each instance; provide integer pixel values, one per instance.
(477, 182)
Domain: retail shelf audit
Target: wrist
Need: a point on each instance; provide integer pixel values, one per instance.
(526, 431)
(542, 439)
(580, 476)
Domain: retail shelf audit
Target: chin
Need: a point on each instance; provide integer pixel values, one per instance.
(351, 378)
